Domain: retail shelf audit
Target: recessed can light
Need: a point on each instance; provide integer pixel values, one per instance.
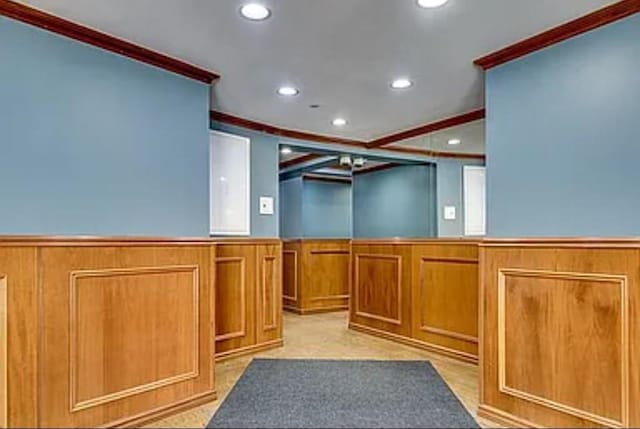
(255, 11)
(454, 142)
(431, 3)
(286, 151)
(339, 122)
(402, 83)
(288, 91)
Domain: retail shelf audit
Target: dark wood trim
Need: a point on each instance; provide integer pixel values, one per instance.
(38, 18)
(604, 16)
(299, 160)
(326, 178)
(434, 154)
(374, 169)
(228, 119)
(428, 128)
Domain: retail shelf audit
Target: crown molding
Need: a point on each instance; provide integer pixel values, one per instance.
(599, 18)
(55, 24)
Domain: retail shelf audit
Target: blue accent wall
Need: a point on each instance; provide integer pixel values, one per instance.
(291, 208)
(264, 178)
(397, 202)
(326, 209)
(563, 138)
(95, 143)
(451, 193)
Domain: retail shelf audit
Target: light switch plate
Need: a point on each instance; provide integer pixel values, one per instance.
(450, 213)
(266, 205)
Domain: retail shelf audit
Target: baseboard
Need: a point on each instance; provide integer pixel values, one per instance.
(291, 309)
(318, 310)
(165, 411)
(503, 418)
(220, 357)
(455, 354)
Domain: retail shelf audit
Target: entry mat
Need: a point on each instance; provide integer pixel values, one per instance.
(341, 394)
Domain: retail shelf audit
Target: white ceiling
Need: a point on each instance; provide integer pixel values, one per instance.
(342, 54)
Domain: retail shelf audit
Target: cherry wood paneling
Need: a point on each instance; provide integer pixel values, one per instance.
(445, 297)
(558, 329)
(381, 289)
(123, 332)
(248, 296)
(317, 275)
(423, 293)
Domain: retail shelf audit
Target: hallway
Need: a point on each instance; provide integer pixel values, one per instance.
(325, 336)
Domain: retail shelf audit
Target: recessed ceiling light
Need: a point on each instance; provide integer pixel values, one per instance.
(288, 91)
(402, 83)
(431, 3)
(286, 151)
(454, 142)
(255, 11)
(339, 122)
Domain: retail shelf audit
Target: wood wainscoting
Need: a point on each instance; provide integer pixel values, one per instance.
(248, 296)
(316, 275)
(104, 332)
(419, 292)
(559, 332)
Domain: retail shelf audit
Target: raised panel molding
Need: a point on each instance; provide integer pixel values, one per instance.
(320, 253)
(621, 282)
(77, 405)
(270, 315)
(357, 286)
(243, 298)
(433, 329)
(4, 355)
(295, 274)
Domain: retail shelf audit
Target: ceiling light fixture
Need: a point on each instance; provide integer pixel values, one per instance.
(286, 151)
(339, 122)
(402, 83)
(288, 91)
(255, 11)
(431, 3)
(454, 142)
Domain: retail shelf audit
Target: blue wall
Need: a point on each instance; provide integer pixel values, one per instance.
(95, 143)
(291, 208)
(315, 209)
(264, 177)
(397, 202)
(326, 209)
(450, 193)
(563, 138)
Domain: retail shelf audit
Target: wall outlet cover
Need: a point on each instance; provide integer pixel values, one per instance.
(450, 213)
(266, 205)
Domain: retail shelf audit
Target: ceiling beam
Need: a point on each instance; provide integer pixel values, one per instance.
(55, 24)
(604, 16)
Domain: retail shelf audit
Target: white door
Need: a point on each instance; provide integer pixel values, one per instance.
(474, 200)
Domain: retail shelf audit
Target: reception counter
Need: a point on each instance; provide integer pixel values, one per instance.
(423, 293)
(316, 275)
(119, 331)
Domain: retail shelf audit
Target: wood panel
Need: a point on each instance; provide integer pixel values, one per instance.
(19, 271)
(291, 275)
(381, 290)
(558, 335)
(325, 275)
(269, 296)
(125, 332)
(235, 296)
(248, 296)
(445, 296)
(4, 394)
(418, 292)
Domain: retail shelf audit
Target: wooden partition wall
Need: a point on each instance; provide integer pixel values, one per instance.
(119, 331)
(419, 292)
(560, 333)
(248, 296)
(316, 275)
